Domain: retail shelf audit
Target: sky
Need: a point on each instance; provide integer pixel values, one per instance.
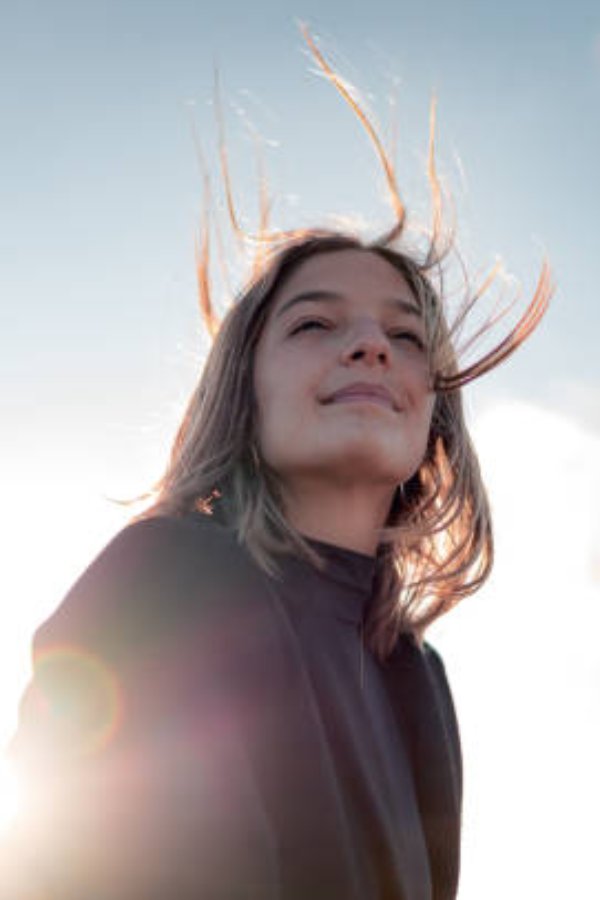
(101, 193)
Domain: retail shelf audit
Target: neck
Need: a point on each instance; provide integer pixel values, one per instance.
(348, 518)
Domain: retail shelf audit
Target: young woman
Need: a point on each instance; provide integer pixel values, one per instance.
(236, 699)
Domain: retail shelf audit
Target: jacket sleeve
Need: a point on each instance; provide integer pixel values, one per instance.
(448, 714)
(442, 783)
(134, 783)
(421, 697)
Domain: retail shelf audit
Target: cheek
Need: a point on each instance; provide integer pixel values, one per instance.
(416, 389)
(278, 403)
(285, 382)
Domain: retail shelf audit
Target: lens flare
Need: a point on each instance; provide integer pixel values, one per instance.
(80, 697)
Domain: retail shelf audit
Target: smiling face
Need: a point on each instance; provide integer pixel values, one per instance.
(343, 321)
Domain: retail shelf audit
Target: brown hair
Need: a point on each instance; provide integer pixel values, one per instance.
(436, 545)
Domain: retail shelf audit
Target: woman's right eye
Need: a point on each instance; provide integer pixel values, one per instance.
(309, 324)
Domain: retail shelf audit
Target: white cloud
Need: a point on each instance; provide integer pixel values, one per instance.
(522, 655)
(524, 663)
(581, 401)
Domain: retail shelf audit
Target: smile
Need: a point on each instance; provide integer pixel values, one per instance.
(364, 392)
(358, 397)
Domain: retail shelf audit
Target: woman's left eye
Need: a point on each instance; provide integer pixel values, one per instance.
(410, 336)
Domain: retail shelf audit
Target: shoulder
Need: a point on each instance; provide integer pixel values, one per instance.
(145, 608)
(153, 572)
(434, 660)
(433, 664)
(418, 673)
(445, 698)
(147, 543)
(412, 651)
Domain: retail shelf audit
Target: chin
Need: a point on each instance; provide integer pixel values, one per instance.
(371, 461)
(372, 455)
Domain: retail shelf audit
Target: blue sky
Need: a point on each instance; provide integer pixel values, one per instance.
(100, 200)
(101, 188)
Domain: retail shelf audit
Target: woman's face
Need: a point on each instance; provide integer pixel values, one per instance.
(344, 321)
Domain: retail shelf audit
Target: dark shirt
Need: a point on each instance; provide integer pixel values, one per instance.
(378, 814)
(195, 729)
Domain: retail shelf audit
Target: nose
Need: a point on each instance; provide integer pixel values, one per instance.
(367, 343)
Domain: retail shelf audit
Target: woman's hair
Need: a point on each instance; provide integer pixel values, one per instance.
(436, 545)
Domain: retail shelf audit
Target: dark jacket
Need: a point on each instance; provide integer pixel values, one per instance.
(171, 656)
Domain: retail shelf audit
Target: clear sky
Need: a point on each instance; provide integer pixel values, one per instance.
(101, 340)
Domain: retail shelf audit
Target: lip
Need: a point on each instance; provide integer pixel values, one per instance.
(362, 390)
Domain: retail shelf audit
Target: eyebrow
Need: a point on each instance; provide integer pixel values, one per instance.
(398, 303)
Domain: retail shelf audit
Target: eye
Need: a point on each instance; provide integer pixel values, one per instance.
(309, 324)
(410, 336)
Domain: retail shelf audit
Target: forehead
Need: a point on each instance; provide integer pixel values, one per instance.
(352, 273)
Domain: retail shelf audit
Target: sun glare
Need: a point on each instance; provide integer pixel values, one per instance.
(10, 799)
